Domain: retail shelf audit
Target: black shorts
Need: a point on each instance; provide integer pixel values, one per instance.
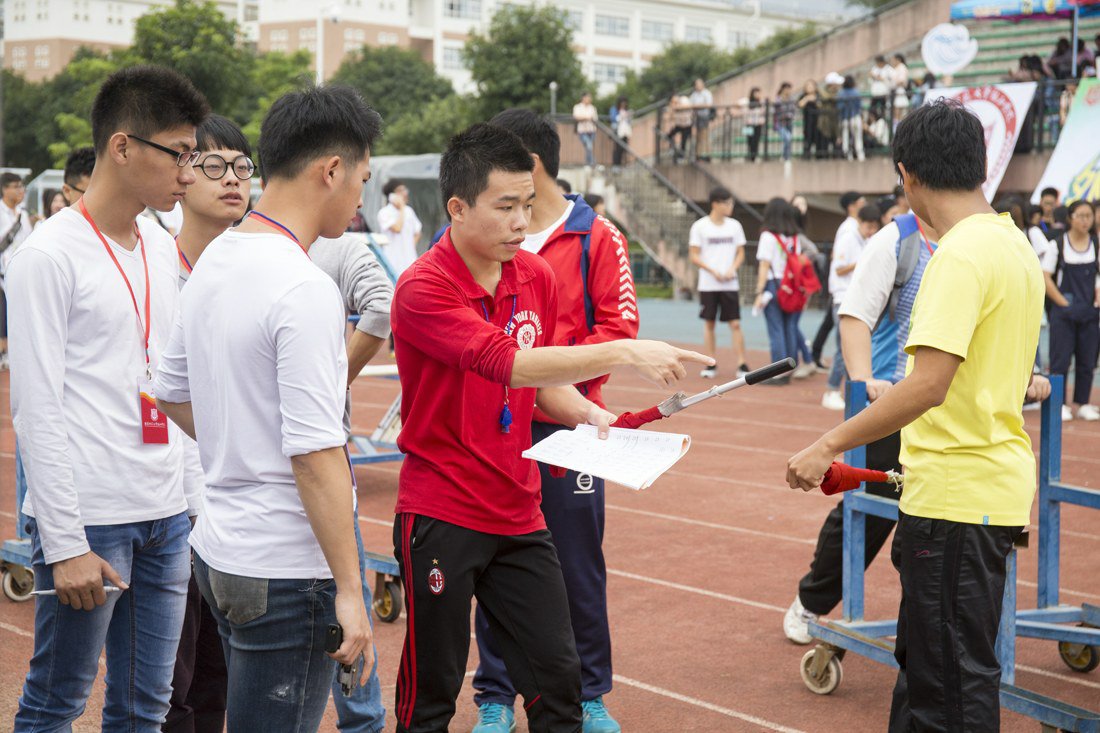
(726, 301)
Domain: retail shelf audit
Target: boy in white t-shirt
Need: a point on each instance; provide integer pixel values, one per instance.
(846, 251)
(717, 244)
(401, 226)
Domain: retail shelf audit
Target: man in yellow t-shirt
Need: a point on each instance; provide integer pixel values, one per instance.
(969, 469)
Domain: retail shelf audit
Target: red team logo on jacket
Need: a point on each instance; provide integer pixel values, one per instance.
(435, 581)
(527, 327)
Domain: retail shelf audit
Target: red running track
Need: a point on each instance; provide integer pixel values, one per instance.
(702, 566)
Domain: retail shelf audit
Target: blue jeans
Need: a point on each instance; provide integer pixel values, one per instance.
(588, 139)
(363, 712)
(273, 632)
(783, 334)
(786, 135)
(837, 372)
(139, 627)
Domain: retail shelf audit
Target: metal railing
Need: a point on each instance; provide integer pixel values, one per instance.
(736, 132)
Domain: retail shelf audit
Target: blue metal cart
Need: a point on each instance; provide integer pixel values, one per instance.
(15, 555)
(821, 666)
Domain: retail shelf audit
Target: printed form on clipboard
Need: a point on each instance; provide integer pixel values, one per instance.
(633, 458)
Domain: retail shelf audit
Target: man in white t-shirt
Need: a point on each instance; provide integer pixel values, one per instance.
(95, 290)
(401, 226)
(846, 251)
(15, 226)
(717, 245)
(850, 203)
(256, 370)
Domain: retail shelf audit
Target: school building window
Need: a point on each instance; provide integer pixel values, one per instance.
(613, 25)
(574, 19)
(656, 30)
(698, 34)
(462, 9)
(609, 73)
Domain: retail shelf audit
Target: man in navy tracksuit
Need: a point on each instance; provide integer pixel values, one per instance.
(596, 303)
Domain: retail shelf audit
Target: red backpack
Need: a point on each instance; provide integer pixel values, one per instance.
(799, 278)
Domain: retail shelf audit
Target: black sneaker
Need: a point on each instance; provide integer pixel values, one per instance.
(743, 370)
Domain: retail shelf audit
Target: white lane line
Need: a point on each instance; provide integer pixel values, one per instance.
(16, 630)
(777, 486)
(1082, 594)
(1060, 677)
(380, 522)
(697, 591)
(765, 724)
(711, 525)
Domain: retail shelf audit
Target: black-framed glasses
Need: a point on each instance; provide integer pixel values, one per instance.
(182, 159)
(78, 190)
(215, 167)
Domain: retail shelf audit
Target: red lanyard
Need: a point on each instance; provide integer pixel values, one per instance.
(183, 259)
(277, 227)
(145, 264)
(924, 237)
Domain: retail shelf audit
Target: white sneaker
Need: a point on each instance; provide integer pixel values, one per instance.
(794, 623)
(709, 373)
(804, 370)
(1067, 413)
(1088, 413)
(833, 400)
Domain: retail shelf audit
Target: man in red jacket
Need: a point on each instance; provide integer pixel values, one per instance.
(596, 304)
(475, 323)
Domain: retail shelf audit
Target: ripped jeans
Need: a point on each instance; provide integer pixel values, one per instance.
(273, 633)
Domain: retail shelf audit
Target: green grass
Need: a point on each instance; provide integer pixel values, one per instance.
(649, 290)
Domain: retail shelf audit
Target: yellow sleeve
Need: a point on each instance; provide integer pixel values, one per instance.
(948, 305)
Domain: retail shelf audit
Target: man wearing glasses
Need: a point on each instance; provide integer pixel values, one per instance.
(14, 228)
(78, 172)
(96, 290)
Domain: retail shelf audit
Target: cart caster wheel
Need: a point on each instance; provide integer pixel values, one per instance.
(1078, 657)
(387, 606)
(18, 584)
(830, 676)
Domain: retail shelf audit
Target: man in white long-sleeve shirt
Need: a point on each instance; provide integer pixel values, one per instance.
(95, 290)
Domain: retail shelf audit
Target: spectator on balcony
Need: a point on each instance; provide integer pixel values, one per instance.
(878, 131)
(681, 118)
(901, 87)
(828, 122)
(1066, 102)
(753, 110)
(926, 84)
(585, 115)
(783, 110)
(702, 104)
(808, 103)
(1061, 61)
(848, 105)
(882, 83)
(622, 118)
(1073, 292)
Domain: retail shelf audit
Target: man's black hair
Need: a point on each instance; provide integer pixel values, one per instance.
(539, 135)
(218, 133)
(942, 145)
(593, 200)
(779, 218)
(565, 185)
(899, 191)
(848, 198)
(720, 193)
(80, 163)
(143, 101)
(870, 212)
(8, 178)
(473, 154)
(880, 59)
(392, 185)
(1050, 191)
(313, 123)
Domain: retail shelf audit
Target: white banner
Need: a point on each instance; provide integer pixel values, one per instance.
(948, 49)
(1001, 108)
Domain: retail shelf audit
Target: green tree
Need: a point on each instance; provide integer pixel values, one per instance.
(23, 120)
(429, 130)
(394, 81)
(676, 67)
(524, 50)
(273, 74)
(197, 40)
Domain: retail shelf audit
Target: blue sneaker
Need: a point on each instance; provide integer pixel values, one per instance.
(597, 719)
(495, 718)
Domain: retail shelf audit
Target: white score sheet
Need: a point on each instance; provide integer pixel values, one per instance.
(632, 458)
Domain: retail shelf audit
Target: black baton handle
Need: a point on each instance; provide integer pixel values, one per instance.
(763, 374)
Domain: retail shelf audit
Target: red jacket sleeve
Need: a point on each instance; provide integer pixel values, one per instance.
(611, 286)
(432, 315)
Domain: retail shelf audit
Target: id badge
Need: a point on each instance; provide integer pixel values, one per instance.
(154, 423)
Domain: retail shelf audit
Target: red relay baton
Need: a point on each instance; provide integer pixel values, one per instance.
(841, 477)
(679, 401)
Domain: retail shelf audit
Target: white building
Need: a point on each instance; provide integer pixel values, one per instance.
(610, 36)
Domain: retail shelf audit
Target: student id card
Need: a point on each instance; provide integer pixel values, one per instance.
(154, 423)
